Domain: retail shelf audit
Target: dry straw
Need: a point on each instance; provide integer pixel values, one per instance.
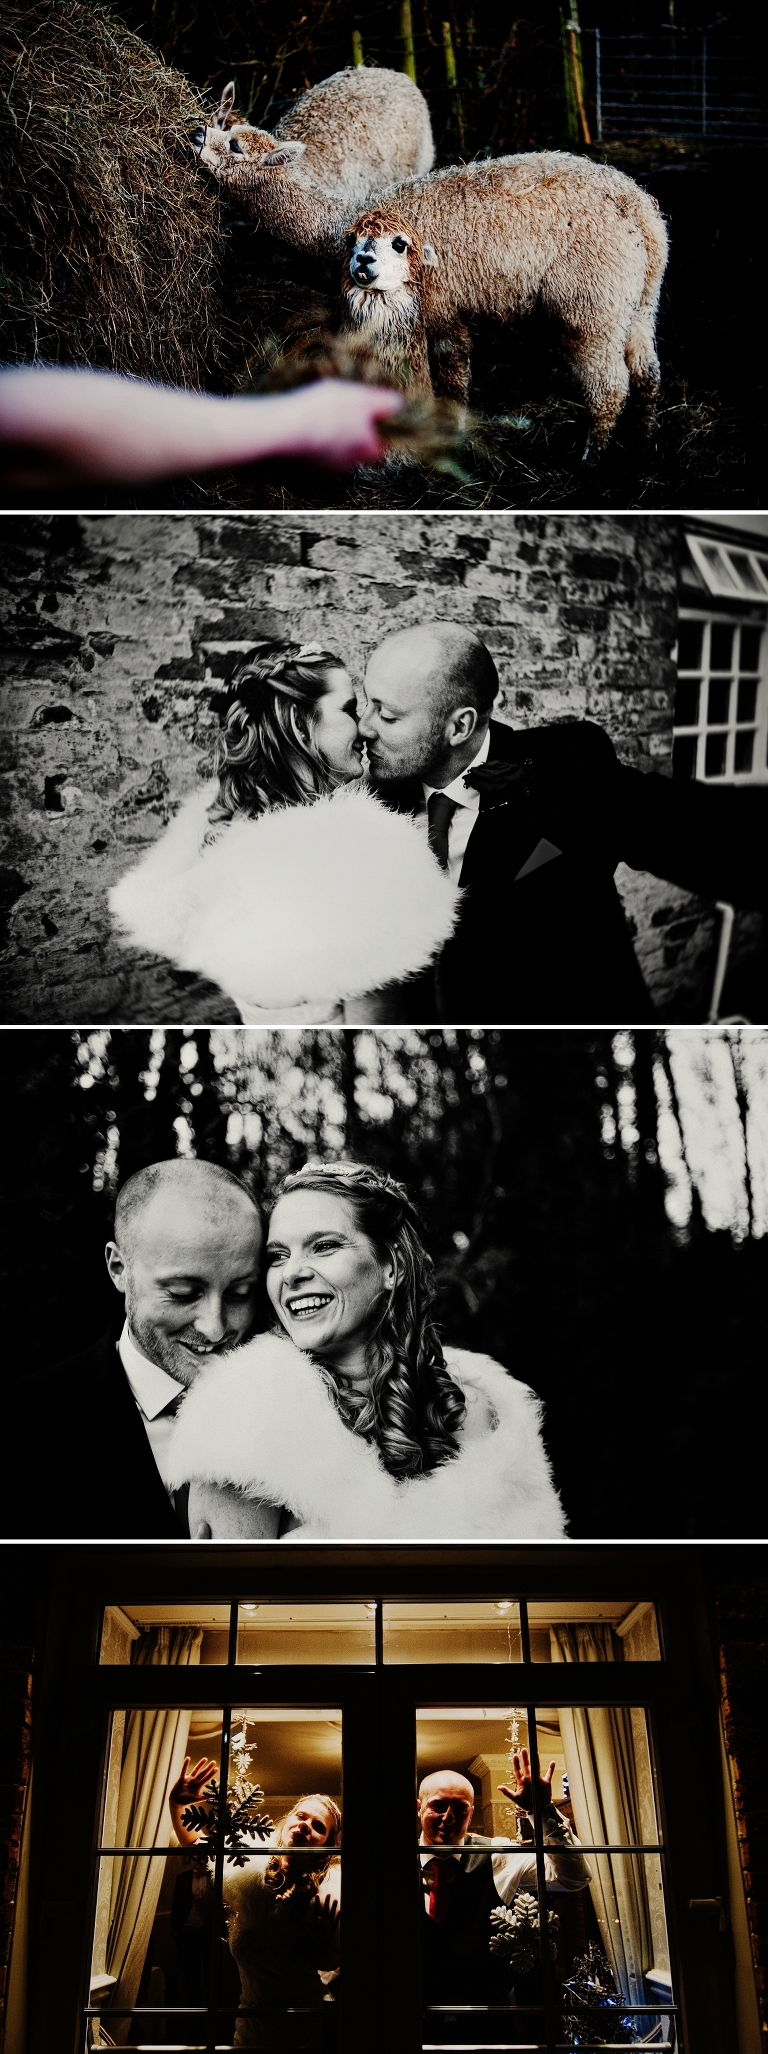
(111, 240)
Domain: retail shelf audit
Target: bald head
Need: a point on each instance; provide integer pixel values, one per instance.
(186, 1257)
(429, 692)
(445, 1805)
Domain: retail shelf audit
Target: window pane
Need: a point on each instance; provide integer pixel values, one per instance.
(721, 645)
(127, 1630)
(744, 751)
(575, 1631)
(719, 567)
(687, 702)
(484, 1632)
(715, 754)
(684, 756)
(689, 641)
(159, 1928)
(608, 1906)
(718, 701)
(746, 571)
(747, 699)
(750, 648)
(341, 1633)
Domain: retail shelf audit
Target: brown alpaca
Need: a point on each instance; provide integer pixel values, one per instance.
(498, 238)
(341, 142)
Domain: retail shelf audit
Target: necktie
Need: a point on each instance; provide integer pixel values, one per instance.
(440, 1875)
(440, 812)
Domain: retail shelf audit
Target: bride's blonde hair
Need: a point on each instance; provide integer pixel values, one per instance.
(266, 754)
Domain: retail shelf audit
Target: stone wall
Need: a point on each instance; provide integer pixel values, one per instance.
(124, 630)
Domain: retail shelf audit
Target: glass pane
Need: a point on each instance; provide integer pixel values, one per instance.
(684, 756)
(721, 645)
(715, 754)
(575, 1631)
(747, 573)
(750, 648)
(689, 640)
(744, 751)
(439, 1632)
(718, 701)
(687, 702)
(481, 1930)
(159, 1934)
(747, 699)
(343, 1633)
(127, 1630)
(719, 566)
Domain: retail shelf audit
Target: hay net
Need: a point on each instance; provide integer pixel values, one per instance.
(111, 241)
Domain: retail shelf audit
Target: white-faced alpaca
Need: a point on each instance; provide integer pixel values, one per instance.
(579, 240)
(341, 143)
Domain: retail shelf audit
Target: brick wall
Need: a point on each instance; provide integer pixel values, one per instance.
(124, 629)
(742, 1611)
(16, 1659)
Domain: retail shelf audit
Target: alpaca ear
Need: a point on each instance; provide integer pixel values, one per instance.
(431, 258)
(283, 153)
(226, 103)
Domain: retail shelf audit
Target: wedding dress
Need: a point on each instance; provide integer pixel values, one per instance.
(296, 911)
(264, 1420)
(280, 1956)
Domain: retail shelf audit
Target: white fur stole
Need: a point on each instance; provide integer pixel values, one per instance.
(263, 1420)
(336, 898)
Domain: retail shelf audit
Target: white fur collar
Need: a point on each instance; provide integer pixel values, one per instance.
(327, 900)
(263, 1420)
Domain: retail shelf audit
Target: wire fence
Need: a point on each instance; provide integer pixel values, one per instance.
(711, 86)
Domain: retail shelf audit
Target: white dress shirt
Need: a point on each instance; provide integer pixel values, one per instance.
(155, 1392)
(564, 1865)
(467, 802)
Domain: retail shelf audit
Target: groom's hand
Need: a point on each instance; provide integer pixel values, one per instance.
(202, 1532)
(522, 1795)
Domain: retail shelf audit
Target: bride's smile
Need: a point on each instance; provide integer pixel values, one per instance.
(326, 1278)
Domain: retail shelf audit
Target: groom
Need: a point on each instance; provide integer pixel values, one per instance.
(86, 1440)
(532, 822)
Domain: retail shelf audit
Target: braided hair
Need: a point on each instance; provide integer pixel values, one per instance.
(265, 755)
(412, 1409)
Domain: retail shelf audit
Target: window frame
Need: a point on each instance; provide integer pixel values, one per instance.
(708, 617)
(678, 1694)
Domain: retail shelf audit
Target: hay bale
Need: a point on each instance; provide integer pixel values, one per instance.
(111, 241)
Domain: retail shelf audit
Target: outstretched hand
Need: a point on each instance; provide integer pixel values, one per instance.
(190, 1785)
(522, 1795)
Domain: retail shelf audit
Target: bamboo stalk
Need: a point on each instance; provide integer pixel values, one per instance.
(574, 38)
(357, 47)
(406, 31)
(452, 81)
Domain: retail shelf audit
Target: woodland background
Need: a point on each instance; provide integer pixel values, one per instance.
(596, 1204)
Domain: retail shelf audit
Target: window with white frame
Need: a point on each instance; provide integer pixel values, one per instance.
(721, 700)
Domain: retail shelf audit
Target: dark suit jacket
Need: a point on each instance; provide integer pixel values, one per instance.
(78, 1465)
(553, 947)
(457, 1966)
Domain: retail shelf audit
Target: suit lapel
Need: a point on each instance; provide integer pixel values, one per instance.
(133, 1473)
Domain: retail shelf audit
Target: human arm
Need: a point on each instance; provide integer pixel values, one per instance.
(709, 840)
(564, 1864)
(60, 423)
(188, 1789)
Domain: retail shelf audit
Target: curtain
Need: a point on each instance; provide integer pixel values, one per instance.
(153, 1756)
(603, 1780)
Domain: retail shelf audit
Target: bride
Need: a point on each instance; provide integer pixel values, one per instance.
(351, 1421)
(284, 879)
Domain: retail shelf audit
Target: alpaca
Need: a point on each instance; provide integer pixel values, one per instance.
(341, 142)
(579, 239)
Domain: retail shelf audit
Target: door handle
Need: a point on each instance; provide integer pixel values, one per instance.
(703, 1905)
